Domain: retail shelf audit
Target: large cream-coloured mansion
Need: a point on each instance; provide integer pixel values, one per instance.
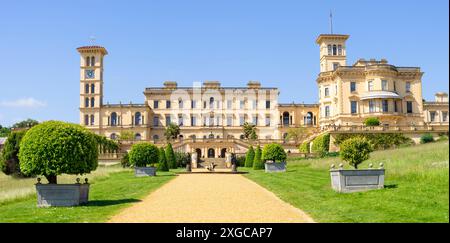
(211, 116)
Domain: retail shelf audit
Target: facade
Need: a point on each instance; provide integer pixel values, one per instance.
(211, 117)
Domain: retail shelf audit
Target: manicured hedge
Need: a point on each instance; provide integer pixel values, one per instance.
(170, 157)
(321, 144)
(378, 140)
(9, 160)
(162, 161)
(371, 122)
(426, 138)
(274, 152)
(258, 164)
(143, 154)
(249, 157)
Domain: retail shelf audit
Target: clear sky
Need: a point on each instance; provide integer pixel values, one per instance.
(232, 41)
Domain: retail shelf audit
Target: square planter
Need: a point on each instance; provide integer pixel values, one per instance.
(356, 180)
(144, 171)
(275, 167)
(62, 195)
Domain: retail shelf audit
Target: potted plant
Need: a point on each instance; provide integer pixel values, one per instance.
(355, 151)
(271, 154)
(141, 155)
(52, 148)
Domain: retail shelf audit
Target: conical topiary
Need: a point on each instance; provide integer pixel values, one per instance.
(170, 157)
(162, 163)
(257, 161)
(249, 157)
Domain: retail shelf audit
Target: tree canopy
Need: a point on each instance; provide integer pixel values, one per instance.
(172, 131)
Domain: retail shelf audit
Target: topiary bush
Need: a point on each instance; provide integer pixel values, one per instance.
(321, 144)
(170, 157)
(143, 154)
(162, 162)
(9, 160)
(257, 161)
(371, 122)
(249, 157)
(426, 138)
(53, 147)
(304, 147)
(355, 151)
(274, 152)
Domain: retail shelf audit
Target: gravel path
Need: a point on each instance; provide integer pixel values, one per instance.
(192, 198)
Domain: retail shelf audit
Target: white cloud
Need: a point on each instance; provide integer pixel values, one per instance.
(23, 103)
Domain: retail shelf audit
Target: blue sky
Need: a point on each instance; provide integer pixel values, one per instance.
(231, 41)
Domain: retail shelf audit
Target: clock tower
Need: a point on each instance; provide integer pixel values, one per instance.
(91, 84)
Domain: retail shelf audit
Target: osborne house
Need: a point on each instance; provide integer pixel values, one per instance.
(211, 115)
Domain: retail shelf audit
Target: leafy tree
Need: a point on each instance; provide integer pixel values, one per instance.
(162, 162)
(249, 131)
(371, 122)
(321, 144)
(170, 157)
(143, 154)
(126, 135)
(297, 134)
(355, 151)
(274, 152)
(28, 123)
(53, 147)
(304, 147)
(9, 160)
(4, 131)
(249, 157)
(257, 161)
(182, 158)
(172, 131)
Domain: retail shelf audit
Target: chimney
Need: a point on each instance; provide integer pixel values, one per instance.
(254, 84)
(170, 85)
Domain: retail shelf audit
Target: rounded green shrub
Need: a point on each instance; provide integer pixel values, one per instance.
(249, 157)
(304, 147)
(355, 151)
(274, 152)
(170, 157)
(321, 144)
(371, 122)
(53, 147)
(257, 161)
(143, 154)
(426, 138)
(162, 161)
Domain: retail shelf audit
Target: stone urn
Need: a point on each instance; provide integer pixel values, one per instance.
(144, 171)
(228, 160)
(62, 195)
(194, 160)
(356, 180)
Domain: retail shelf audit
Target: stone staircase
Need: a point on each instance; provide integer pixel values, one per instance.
(219, 162)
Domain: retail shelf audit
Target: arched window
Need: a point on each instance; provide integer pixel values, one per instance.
(92, 102)
(340, 50)
(92, 88)
(309, 118)
(86, 89)
(92, 61)
(137, 118)
(334, 50)
(137, 136)
(113, 136)
(286, 118)
(113, 119)
(92, 120)
(211, 102)
(86, 120)
(329, 50)
(88, 63)
(155, 137)
(211, 136)
(86, 102)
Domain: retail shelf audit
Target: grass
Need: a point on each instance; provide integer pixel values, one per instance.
(416, 187)
(108, 194)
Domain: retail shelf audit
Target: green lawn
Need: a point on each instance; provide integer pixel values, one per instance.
(417, 187)
(108, 194)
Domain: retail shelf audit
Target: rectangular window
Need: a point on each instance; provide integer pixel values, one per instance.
(255, 120)
(268, 121)
(327, 111)
(267, 104)
(155, 104)
(395, 88)
(385, 105)
(155, 121)
(409, 107)
(352, 86)
(408, 87)
(335, 65)
(370, 85)
(444, 116)
(167, 104)
(353, 106)
(229, 121)
(86, 120)
(432, 116)
(340, 50)
(327, 92)
(180, 120)
(371, 106)
(384, 84)
(193, 121)
(241, 104)
(217, 120)
(193, 104)
(92, 120)
(229, 104)
(395, 106)
(241, 120)
(254, 104)
(168, 121)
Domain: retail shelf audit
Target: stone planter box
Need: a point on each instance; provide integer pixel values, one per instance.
(356, 180)
(62, 195)
(144, 171)
(275, 167)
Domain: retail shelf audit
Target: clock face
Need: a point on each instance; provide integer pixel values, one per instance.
(90, 74)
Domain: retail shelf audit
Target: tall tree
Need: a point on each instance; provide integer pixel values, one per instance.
(4, 131)
(9, 156)
(28, 123)
(170, 157)
(297, 134)
(162, 162)
(249, 157)
(249, 131)
(257, 161)
(172, 131)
